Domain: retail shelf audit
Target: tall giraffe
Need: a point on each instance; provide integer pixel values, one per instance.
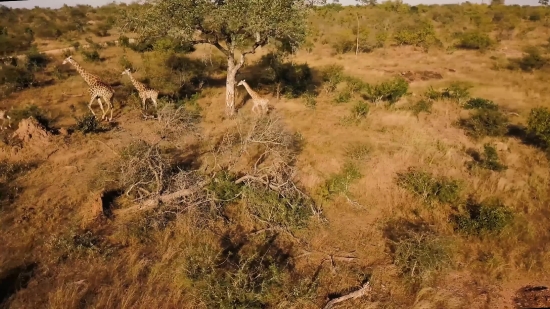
(98, 89)
(144, 91)
(256, 99)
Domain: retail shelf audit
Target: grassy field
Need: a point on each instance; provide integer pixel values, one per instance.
(418, 164)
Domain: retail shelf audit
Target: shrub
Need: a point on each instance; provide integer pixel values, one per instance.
(420, 33)
(223, 187)
(475, 40)
(332, 75)
(344, 44)
(87, 124)
(485, 123)
(310, 100)
(124, 41)
(390, 91)
(422, 106)
(339, 182)
(36, 60)
(538, 125)
(91, 56)
(488, 160)
(479, 103)
(432, 94)
(419, 255)
(15, 78)
(457, 92)
(360, 110)
(357, 151)
(429, 188)
(480, 218)
(533, 60)
(31, 111)
(343, 96)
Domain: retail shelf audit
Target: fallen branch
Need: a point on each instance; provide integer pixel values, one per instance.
(153, 203)
(359, 293)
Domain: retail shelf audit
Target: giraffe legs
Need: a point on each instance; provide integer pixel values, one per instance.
(102, 109)
(109, 107)
(90, 105)
(144, 103)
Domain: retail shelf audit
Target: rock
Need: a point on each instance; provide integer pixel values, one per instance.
(96, 204)
(34, 136)
(63, 132)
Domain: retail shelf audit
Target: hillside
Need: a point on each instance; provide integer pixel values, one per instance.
(405, 150)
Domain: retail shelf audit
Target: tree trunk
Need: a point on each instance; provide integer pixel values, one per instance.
(230, 87)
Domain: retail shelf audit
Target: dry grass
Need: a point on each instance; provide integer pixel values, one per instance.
(360, 222)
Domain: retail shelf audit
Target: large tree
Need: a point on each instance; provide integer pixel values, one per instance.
(230, 25)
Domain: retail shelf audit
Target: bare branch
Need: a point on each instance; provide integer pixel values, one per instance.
(359, 293)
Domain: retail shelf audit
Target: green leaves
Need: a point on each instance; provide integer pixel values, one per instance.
(235, 22)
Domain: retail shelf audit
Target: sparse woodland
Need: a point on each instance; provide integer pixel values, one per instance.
(403, 162)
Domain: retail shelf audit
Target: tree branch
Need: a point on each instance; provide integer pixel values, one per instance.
(361, 292)
(259, 42)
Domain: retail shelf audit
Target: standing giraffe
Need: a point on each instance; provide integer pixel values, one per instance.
(98, 89)
(144, 91)
(256, 99)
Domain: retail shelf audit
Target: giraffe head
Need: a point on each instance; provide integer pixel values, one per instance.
(241, 82)
(127, 71)
(68, 59)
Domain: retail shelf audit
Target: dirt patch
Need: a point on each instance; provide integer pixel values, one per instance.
(420, 75)
(531, 297)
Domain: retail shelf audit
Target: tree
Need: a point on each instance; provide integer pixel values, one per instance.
(497, 2)
(242, 25)
(543, 2)
(368, 2)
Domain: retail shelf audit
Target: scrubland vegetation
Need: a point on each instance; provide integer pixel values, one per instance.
(405, 146)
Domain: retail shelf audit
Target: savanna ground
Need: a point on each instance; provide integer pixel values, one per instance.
(419, 165)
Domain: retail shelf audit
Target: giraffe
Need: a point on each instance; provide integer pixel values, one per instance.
(4, 115)
(256, 99)
(98, 89)
(144, 91)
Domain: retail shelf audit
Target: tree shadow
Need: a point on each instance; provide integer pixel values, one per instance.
(527, 138)
(14, 280)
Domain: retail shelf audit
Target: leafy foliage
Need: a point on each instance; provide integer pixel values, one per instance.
(538, 124)
(475, 40)
(429, 188)
(480, 103)
(339, 182)
(480, 218)
(488, 160)
(485, 123)
(390, 90)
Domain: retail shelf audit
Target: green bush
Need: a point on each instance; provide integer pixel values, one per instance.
(31, 111)
(481, 218)
(332, 75)
(533, 60)
(310, 100)
(474, 40)
(339, 182)
(485, 123)
(343, 96)
(15, 78)
(87, 124)
(422, 106)
(488, 160)
(390, 91)
(419, 33)
(479, 103)
(360, 110)
(344, 45)
(36, 60)
(538, 125)
(457, 92)
(429, 188)
(91, 56)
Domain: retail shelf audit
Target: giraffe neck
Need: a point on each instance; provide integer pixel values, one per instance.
(136, 84)
(85, 75)
(250, 91)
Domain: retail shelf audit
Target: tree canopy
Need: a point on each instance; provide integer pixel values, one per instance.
(227, 24)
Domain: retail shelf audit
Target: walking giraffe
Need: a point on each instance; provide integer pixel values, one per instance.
(256, 99)
(144, 91)
(98, 89)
